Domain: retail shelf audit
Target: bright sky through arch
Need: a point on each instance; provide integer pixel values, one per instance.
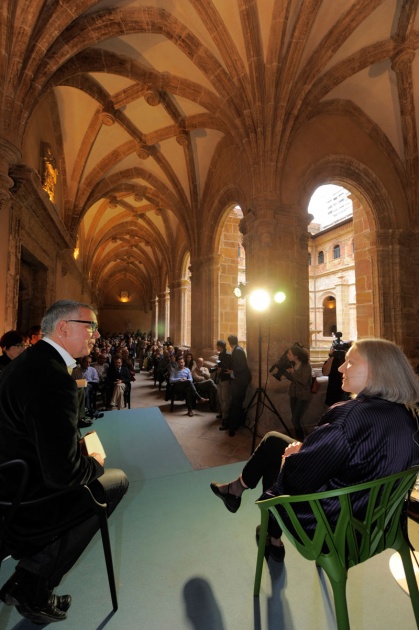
(330, 204)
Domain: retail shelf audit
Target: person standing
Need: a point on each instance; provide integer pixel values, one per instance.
(223, 383)
(41, 429)
(12, 344)
(300, 387)
(240, 379)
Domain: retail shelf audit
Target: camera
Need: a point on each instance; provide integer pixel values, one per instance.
(281, 365)
(340, 347)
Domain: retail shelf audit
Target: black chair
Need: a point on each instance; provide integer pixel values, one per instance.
(8, 509)
(127, 396)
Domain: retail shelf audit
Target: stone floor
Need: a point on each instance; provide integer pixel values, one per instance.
(203, 444)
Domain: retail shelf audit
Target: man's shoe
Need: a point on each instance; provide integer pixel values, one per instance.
(231, 502)
(63, 602)
(12, 594)
(42, 614)
(190, 413)
(84, 423)
(202, 400)
(223, 427)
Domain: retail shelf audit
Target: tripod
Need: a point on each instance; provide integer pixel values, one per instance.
(260, 398)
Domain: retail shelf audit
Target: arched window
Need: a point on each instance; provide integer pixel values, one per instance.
(336, 252)
(320, 258)
(329, 316)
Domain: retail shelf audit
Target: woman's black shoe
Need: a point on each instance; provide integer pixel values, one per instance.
(231, 502)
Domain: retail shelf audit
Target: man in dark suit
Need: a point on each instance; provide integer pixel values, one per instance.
(240, 379)
(38, 423)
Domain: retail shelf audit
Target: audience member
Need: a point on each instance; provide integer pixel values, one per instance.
(204, 384)
(118, 381)
(189, 360)
(85, 371)
(12, 344)
(34, 335)
(42, 430)
(182, 383)
(369, 437)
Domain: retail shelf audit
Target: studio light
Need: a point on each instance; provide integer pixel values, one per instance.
(240, 290)
(259, 300)
(279, 297)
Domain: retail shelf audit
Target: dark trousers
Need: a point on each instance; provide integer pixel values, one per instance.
(265, 464)
(298, 409)
(186, 389)
(208, 389)
(56, 558)
(238, 388)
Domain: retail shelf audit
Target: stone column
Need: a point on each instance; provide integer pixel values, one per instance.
(205, 286)
(161, 319)
(9, 239)
(154, 317)
(177, 315)
(276, 244)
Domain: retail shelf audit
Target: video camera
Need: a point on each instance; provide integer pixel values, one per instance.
(283, 363)
(339, 346)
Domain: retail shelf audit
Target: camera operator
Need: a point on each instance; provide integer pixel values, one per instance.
(331, 367)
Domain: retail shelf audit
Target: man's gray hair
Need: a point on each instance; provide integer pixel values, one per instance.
(63, 309)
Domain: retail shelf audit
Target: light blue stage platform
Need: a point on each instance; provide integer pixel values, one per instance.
(182, 561)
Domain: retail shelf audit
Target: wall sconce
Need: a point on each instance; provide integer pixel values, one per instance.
(124, 296)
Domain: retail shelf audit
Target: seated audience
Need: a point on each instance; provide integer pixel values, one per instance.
(189, 360)
(34, 335)
(373, 435)
(182, 383)
(85, 371)
(12, 344)
(163, 368)
(118, 381)
(204, 384)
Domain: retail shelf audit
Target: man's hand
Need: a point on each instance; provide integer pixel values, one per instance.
(98, 458)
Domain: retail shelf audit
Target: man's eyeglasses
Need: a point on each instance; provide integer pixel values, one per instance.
(21, 345)
(93, 325)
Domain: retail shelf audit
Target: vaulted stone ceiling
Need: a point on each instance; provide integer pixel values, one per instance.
(146, 93)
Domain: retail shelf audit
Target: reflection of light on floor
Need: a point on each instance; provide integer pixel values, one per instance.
(396, 568)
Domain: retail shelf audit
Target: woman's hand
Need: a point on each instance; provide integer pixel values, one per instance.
(292, 448)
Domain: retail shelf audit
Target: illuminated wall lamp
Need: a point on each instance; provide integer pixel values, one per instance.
(124, 297)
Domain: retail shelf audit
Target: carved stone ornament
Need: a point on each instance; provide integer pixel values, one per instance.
(143, 153)
(152, 98)
(49, 171)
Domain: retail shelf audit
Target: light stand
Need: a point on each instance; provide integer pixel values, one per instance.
(260, 398)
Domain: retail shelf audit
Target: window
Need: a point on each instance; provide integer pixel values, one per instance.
(320, 258)
(336, 252)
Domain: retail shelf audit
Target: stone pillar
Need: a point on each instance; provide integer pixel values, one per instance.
(9, 240)
(161, 319)
(177, 311)
(154, 317)
(276, 244)
(205, 285)
(394, 252)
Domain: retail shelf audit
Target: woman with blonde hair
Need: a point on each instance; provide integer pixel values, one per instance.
(370, 436)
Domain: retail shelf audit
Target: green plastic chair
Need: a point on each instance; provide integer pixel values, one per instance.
(351, 541)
